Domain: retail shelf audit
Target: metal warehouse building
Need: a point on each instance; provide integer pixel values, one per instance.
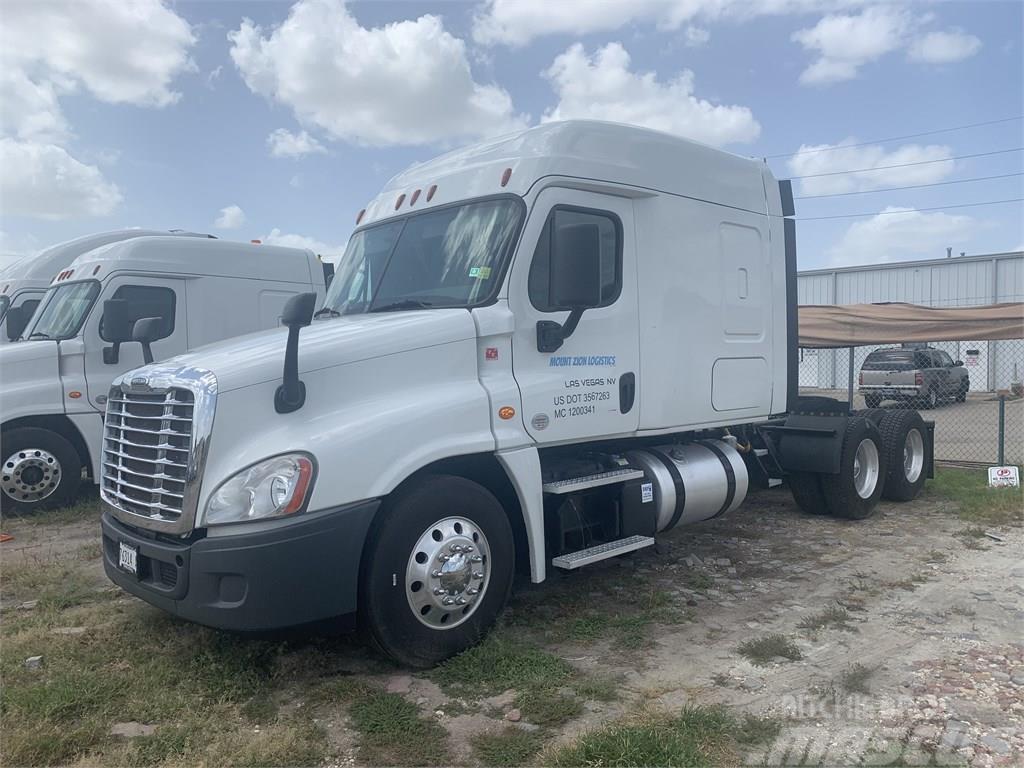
(951, 282)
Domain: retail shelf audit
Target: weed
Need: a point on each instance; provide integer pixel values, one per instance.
(699, 582)
(855, 678)
(763, 650)
(833, 616)
(936, 557)
(500, 663)
(547, 707)
(511, 747)
(597, 689)
(755, 729)
(696, 736)
(393, 732)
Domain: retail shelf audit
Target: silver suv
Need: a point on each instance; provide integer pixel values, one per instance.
(924, 377)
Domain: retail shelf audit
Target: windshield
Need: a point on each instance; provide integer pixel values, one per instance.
(5, 304)
(451, 257)
(63, 311)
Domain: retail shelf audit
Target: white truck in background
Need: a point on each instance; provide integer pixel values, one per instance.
(187, 291)
(540, 351)
(23, 282)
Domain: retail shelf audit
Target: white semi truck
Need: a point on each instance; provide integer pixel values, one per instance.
(54, 383)
(537, 352)
(23, 283)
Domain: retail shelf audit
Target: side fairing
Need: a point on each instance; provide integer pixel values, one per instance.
(30, 381)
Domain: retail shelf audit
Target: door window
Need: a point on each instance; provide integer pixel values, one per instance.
(610, 229)
(945, 360)
(147, 301)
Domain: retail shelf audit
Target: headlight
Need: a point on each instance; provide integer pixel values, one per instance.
(270, 488)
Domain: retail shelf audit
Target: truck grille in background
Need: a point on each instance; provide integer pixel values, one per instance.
(146, 444)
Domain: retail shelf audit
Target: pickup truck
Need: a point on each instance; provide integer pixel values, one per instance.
(924, 376)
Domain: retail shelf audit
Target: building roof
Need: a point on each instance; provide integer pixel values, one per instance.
(918, 263)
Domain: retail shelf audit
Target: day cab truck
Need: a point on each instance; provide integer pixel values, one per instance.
(537, 352)
(187, 291)
(24, 282)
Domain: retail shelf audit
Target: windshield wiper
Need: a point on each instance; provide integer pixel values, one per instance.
(404, 304)
(329, 311)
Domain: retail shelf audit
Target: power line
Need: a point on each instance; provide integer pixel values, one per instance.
(913, 210)
(896, 138)
(912, 186)
(905, 165)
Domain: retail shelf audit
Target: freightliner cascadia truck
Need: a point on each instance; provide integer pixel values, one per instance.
(54, 383)
(537, 352)
(24, 282)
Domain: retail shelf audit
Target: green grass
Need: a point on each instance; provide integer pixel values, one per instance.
(393, 732)
(546, 707)
(764, 650)
(975, 502)
(500, 663)
(697, 736)
(509, 748)
(833, 616)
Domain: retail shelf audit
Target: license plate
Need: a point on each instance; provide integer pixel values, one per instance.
(128, 558)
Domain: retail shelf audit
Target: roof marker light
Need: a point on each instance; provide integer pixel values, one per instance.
(506, 176)
(359, 216)
(399, 201)
(431, 191)
(256, 242)
(71, 272)
(97, 268)
(415, 197)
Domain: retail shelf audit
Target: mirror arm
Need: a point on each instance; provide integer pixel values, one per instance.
(291, 393)
(112, 354)
(551, 335)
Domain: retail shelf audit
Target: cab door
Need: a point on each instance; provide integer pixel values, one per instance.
(147, 296)
(587, 387)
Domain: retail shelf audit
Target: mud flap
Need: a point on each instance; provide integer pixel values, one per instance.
(808, 443)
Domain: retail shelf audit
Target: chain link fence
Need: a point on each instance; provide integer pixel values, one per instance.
(972, 390)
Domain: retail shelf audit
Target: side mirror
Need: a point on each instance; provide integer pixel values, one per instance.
(17, 318)
(145, 331)
(297, 314)
(958, 364)
(575, 280)
(116, 326)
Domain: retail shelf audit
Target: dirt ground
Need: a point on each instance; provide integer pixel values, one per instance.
(908, 630)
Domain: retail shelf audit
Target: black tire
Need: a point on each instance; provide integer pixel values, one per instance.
(841, 492)
(895, 428)
(807, 492)
(386, 616)
(930, 400)
(59, 473)
(874, 415)
(872, 401)
(961, 395)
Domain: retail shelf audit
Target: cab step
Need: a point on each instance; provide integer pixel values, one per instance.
(583, 557)
(574, 484)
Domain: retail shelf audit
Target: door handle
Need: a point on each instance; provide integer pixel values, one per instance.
(627, 392)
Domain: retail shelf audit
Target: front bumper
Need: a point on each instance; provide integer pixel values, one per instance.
(299, 573)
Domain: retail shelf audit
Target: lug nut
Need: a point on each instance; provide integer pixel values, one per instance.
(472, 591)
(438, 591)
(478, 575)
(455, 548)
(443, 558)
(461, 601)
(468, 548)
(449, 601)
(476, 559)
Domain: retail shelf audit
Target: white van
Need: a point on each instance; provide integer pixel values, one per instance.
(537, 352)
(23, 282)
(54, 384)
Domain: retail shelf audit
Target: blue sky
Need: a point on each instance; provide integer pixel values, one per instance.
(152, 114)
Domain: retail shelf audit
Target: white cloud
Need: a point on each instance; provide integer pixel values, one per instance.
(517, 22)
(944, 47)
(121, 52)
(328, 252)
(695, 37)
(284, 143)
(603, 87)
(44, 181)
(840, 157)
(408, 82)
(844, 43)
(30, 109)
(231, 217)
(900, 233)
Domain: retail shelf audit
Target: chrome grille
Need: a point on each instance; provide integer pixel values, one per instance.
(148, 439)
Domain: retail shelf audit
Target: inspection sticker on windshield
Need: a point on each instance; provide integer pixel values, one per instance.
(480, 272)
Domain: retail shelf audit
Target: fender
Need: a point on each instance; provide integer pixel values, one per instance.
(523, 468)
(89, 427)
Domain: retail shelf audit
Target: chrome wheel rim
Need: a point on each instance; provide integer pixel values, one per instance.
(30, 474)
(913, 455)
(865, 468)
(447, 574)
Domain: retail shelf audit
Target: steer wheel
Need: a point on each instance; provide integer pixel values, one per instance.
(41, 470)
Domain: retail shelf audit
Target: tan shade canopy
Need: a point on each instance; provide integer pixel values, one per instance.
(852, 325)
